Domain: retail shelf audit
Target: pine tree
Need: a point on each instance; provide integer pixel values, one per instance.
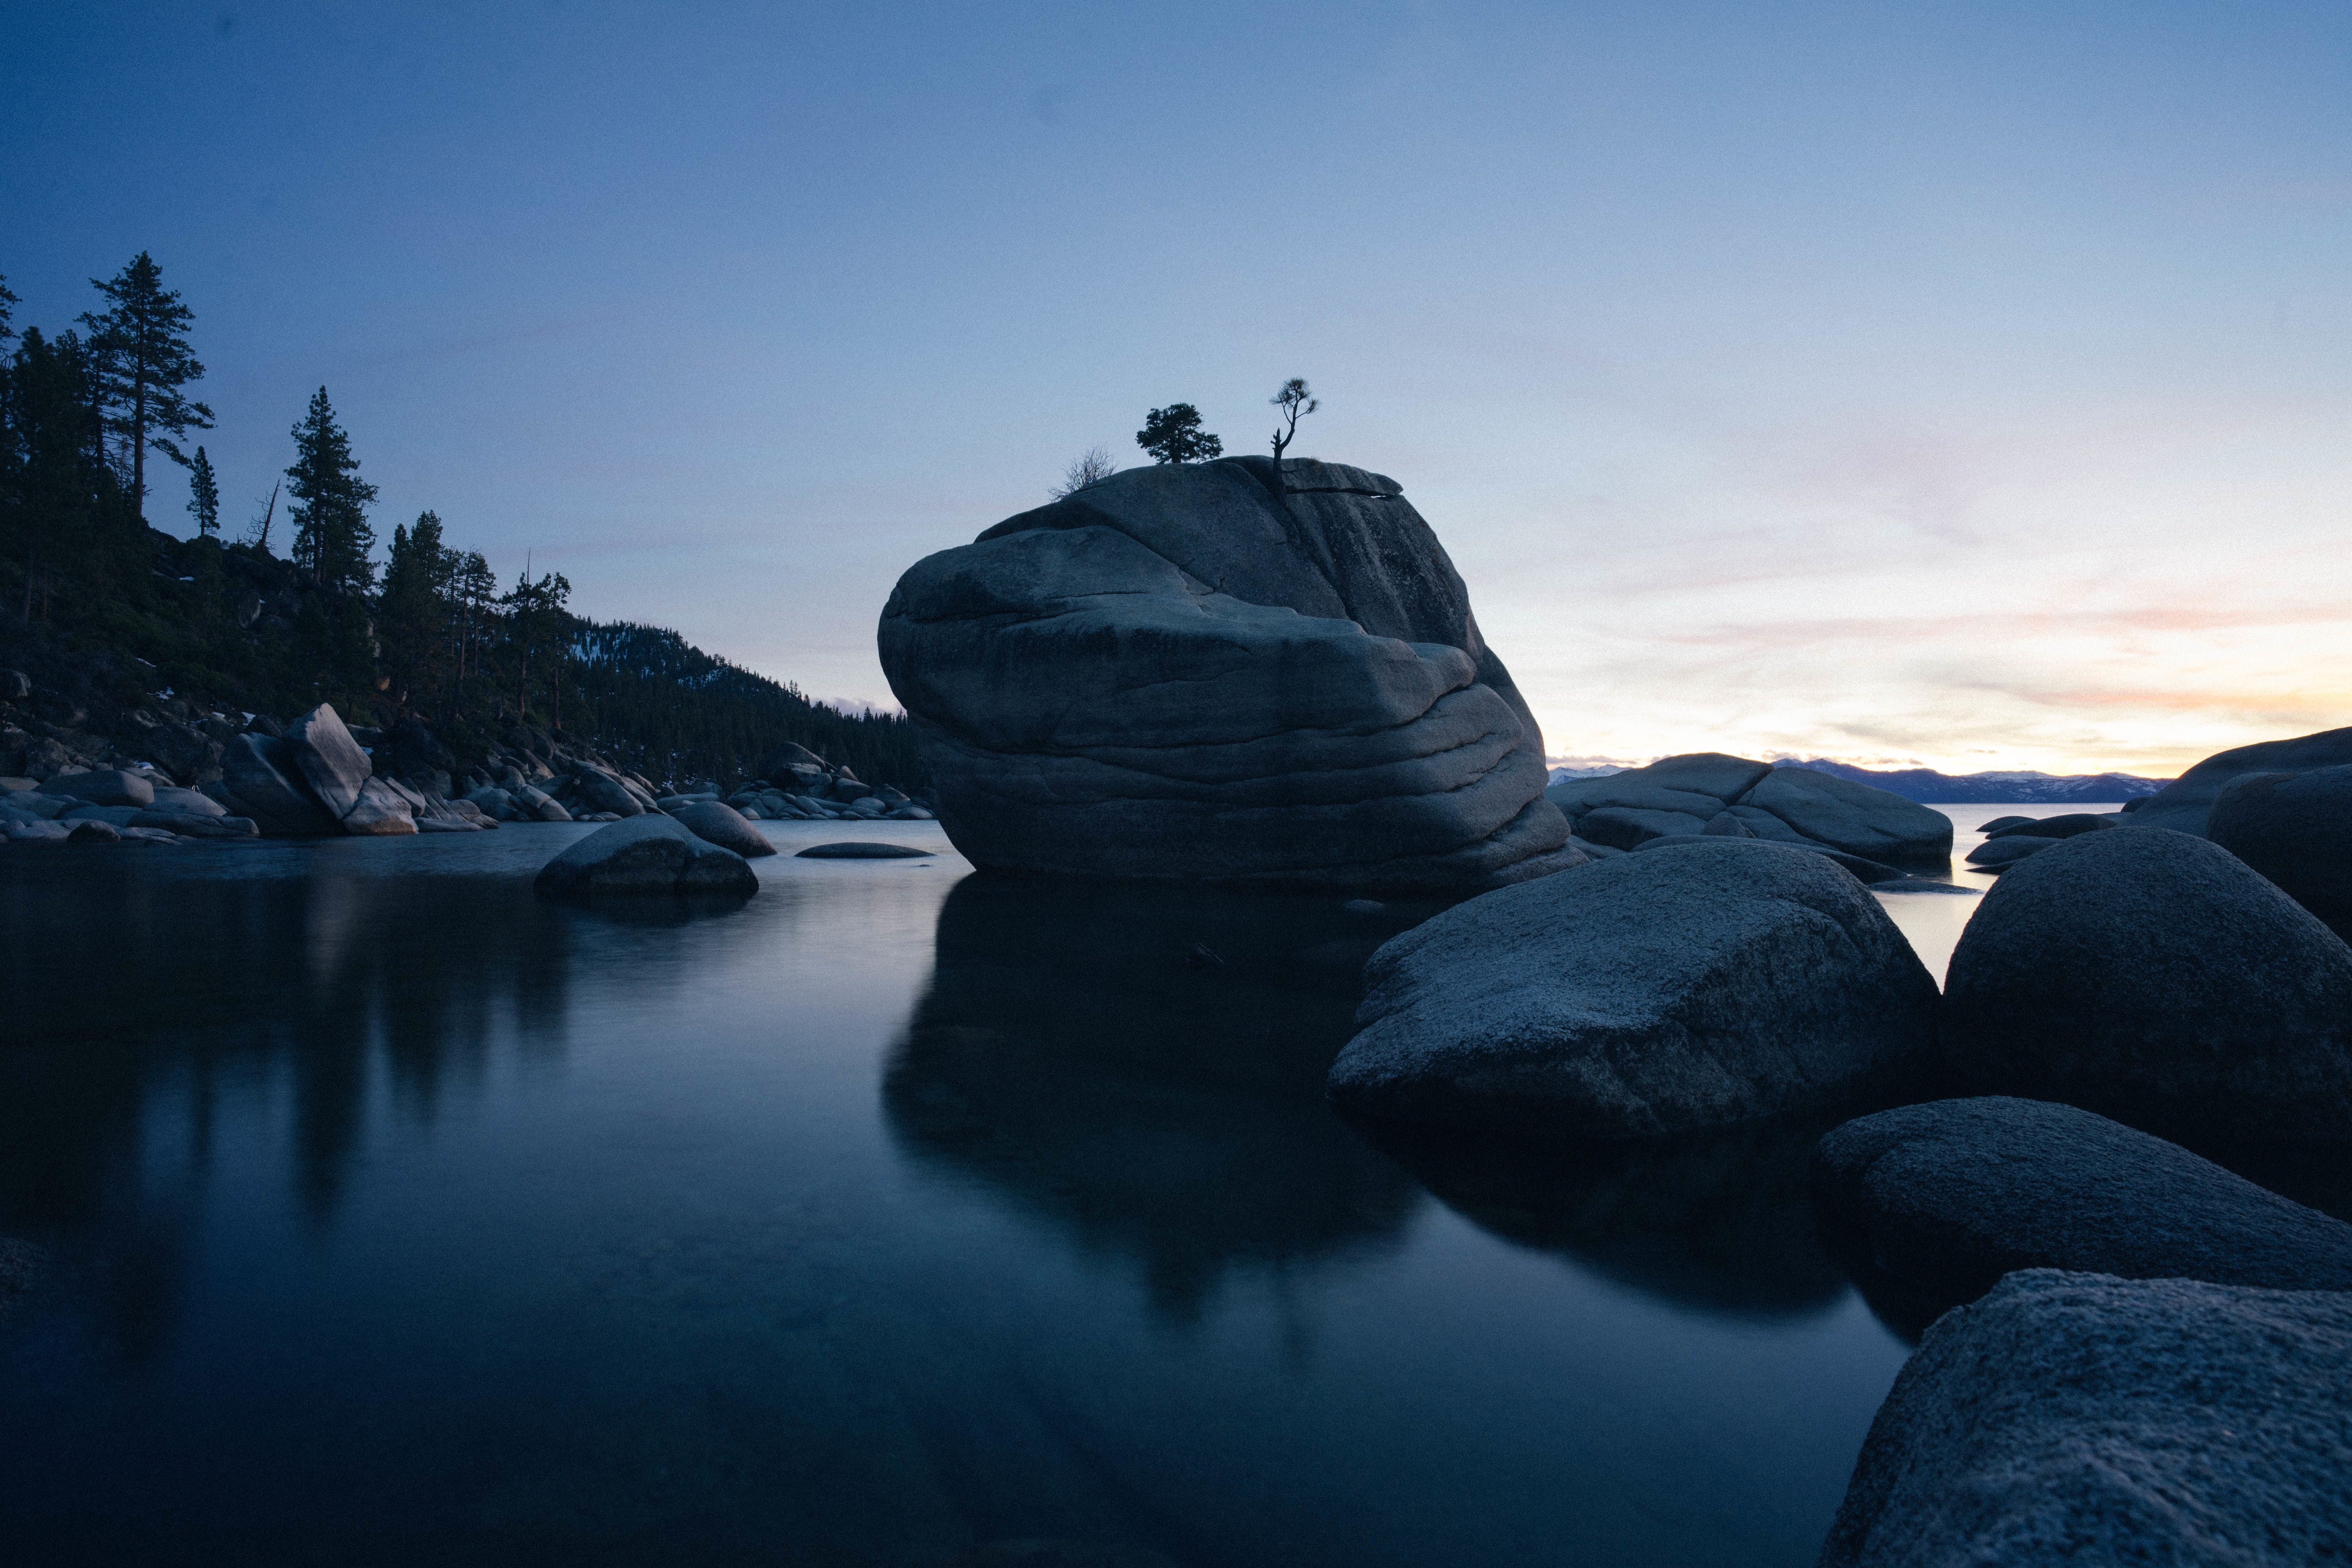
(203, 496)
(1173, 434)
(412, 610)
(139, 349)
(331, 537)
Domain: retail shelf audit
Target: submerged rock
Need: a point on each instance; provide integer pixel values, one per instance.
(2089, 1421)
(849, 849)
(2152, 977)
(1719, 983)
(1214, 672)
(645, 854)
(1951, 1196)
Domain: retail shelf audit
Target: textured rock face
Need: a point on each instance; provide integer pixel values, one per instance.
(380, 811)
(1180, 674)
(645, 854)
(330, 761)
(2079, 1419)
(2152, 977)
(1708, 793)
(1950, 1196)
(2297, 830)
(262, 780)
(2184, 804)
(1703, 986)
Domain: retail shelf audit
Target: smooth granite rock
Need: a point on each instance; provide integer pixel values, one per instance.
(188, 802)
(106, 786)
(715, 822)
(1951, 1196)
(1998, 822)
(2155, 978)
(2185, 804)
(2297, 830)
(1994, 854)
(1180, 674)
(263, 781)
(603, 792)
(1863, 869)
(1715, 984)
(643, 855)
(2071, 824)
(382, 810)
(2093, 1422)
(330, 762)
(93, 830)
(1710, 794)
(848, 850)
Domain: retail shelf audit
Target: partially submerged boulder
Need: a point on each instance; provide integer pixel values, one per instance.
(2152, 977)
(2089, 1421)
(1710, 793)
(851, 850)
(1951, 1196)
(330, 762)
(715, 822)
(260, 779)
(2071, 825)
(379, 810)
(1216, 672)
(645, 854)
(2297, 830)
(1994, 854)
(1652, 993)
(2185, 805)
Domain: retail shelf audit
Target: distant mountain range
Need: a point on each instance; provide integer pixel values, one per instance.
(1930, 787)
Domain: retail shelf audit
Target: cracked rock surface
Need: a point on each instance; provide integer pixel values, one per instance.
(1213, 672)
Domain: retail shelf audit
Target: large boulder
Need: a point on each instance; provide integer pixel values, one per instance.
(2185, 804)
(2297, 830)
(645, 854)
(106, 786)
(330, 762)
(1711, 793)
(2096, 1422)
(1708, 985)
(716, 823)
(1950, 1196)
(381, 810)
(1214, 672)
(260, 779)
(2152, 977)
(604, 792)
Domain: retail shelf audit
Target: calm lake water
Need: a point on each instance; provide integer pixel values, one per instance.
(393, 1215)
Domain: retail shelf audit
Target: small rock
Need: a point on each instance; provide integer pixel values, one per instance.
(849, 850)
(90, 830)
(1998, 822)
(2071, 824)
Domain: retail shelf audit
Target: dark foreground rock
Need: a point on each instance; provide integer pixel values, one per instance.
(2297, 830)
(645, 854)
(850, 849)
(1950, 1196)
(1712, 794)
(1998, 854)
(1214, 672)
(715, 822)
(2152, 977)
(1651, 994)
(2185, 805)
(1863, 869)
(2084, 1420)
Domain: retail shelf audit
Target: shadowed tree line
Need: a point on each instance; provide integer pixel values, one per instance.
(104, 612)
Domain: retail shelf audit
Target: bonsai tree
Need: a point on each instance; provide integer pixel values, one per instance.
(1173, 434)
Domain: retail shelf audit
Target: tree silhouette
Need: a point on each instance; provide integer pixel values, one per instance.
(1091, 466)
(139, 349)
(331, 537)
(203, 496)
(1173, 434)
(1296, 404)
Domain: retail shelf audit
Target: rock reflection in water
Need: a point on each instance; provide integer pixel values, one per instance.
(1723, 1222)
(1143, 1067)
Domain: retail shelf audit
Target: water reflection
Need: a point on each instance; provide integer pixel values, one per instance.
(1141, 1069)
(1723, 1222)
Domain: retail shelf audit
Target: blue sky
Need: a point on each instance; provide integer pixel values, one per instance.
(1963, 384)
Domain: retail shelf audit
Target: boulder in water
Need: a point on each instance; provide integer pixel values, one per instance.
(381, 811)
(2096, 1422)
(1717, 983)
(2152, 977)
(1710, 793)
(643, 855)
(330, 762)
(715, 822)
(850, 849)
(1216, 672)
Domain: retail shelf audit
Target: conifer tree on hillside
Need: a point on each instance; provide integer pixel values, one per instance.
(203, 496)
(332, 536)
(412, 612)
(138, 350)
(537, 609)
(61, 511)
(1173, 434)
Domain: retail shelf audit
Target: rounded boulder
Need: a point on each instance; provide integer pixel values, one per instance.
(645, 854)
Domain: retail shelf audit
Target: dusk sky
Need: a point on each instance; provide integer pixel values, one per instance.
(1964, 384)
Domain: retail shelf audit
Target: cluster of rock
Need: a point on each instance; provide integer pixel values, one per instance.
(2009, 839)
(317, 775)
(1874, 833)
(1231, 671)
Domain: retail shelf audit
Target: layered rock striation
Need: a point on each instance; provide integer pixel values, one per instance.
(1220, 672)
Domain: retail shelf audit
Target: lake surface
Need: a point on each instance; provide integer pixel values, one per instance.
(393, 1215)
